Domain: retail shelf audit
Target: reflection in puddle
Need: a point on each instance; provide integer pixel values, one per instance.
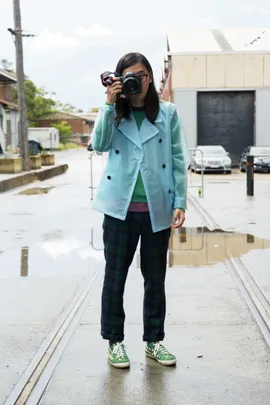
(196, 247)
(93, 236)
(24, 262)
(63, 258)
(199, 247)
(53, 235)
(36, 191)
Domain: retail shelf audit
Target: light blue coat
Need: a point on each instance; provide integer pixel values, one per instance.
(159, 151)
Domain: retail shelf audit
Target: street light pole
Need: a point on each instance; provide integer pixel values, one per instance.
(23, 124)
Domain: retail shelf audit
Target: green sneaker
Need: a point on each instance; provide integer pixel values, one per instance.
(159, 353)
(117, 356)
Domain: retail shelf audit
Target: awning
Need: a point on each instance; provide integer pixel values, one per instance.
(7, 77)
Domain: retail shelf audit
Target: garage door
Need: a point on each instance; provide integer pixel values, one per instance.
(227, 119)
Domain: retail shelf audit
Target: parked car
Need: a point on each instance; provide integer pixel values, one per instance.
(212, 159)
(261, 158)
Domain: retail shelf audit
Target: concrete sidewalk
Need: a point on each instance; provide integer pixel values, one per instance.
(11, 181)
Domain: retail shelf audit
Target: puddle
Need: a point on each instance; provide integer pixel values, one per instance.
(50, 259)
(58, 255)
(197, 247)
(36, 191)
(20, 214)
(54, 235)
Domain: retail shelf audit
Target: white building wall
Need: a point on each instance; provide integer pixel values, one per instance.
(262, 135)
(221, 70)
(199, 64)
(14, 119)
(186, 103)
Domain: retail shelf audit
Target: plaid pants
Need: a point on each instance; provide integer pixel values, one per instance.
(120, 243)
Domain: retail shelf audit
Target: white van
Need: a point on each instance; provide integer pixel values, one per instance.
(48, 137)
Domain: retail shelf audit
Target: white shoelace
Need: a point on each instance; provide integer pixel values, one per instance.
(158, 347)
(119, 350)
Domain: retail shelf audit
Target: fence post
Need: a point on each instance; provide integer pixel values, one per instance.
(250, 175)
(201, 186)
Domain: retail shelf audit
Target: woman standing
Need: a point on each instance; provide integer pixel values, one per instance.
(142, 194)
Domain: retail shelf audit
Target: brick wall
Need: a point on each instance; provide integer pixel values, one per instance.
(78, 127)
(6, 92)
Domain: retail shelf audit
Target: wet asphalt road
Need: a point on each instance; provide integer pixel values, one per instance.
(52, 242)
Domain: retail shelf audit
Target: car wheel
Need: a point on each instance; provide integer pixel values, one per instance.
(242, 170)
(228, 172)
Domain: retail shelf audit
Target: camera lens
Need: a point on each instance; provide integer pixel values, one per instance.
(131, 86)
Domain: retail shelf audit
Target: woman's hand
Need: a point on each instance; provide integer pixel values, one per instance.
(113, 90)
(178, 218)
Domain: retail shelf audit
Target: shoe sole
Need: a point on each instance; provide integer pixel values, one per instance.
(163, 363)
(120, 365)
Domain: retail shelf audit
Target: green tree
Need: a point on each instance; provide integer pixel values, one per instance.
(65, 107)
(65, 131)
(38, 102)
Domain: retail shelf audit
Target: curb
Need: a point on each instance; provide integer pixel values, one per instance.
(27, 178)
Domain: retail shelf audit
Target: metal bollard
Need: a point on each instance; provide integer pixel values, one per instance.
(250, 175)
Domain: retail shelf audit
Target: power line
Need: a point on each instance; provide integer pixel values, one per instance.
(20, 33)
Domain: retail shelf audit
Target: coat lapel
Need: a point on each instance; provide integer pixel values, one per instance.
(148, 130)
(129, 128)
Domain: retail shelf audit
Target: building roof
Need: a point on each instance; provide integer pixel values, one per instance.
(10, 105)
(90, 116)
(219, 40)
(7, 77)
(62, 115)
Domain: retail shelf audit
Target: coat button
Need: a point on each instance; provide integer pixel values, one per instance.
(109, 177)
(163, 166)
(117, 151)
(160, 140)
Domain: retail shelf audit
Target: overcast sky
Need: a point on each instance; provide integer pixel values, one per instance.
(75, 43)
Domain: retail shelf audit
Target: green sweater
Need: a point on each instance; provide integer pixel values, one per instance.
(139, 194)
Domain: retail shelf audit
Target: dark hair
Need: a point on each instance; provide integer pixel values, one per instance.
(151, 99)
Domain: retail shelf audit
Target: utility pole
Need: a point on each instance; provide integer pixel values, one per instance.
(23, 124)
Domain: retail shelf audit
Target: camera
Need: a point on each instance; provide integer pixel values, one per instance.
(131, 82)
